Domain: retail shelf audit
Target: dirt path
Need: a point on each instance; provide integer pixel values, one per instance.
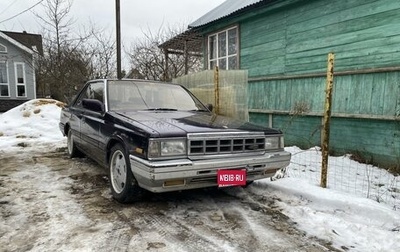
(49, 202)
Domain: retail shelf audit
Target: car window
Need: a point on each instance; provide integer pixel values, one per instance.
(131, 95)
(125, 96)
(91, 91)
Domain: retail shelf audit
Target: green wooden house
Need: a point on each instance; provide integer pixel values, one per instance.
(284, 46)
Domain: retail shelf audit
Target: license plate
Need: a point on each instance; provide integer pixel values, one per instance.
(231, 177)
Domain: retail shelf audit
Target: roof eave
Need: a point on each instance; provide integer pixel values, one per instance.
(18, 44)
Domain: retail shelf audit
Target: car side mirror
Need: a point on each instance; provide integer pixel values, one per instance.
(93, 105)
(210, 107)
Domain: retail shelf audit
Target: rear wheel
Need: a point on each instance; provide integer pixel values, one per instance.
(124, 187)
(71, 147)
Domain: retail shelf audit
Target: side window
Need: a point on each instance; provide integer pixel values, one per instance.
(4, 88)
(91, 91)
(20, 79)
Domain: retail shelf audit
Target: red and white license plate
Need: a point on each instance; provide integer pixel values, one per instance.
(231, 177)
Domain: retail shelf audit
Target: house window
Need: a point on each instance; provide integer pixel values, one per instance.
(3, 80)
(20, 79)
(222, 49)
(3, 48)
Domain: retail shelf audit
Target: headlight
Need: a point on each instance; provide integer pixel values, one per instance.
(169, 148)
(164, 147)
(272, 143)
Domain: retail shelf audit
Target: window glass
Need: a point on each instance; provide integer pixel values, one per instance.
(3, 80)
(212, 64)
(212, 47)
(20, 73)
(97, 91)
(223, 49)
(221, 44)
(21, 90)
(3, 73)
(222, 63)
(4, 90)
(20, 79)
(130, 95)
(232, 41)
(92, 91)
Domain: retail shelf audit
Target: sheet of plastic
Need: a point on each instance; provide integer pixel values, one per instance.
(232, 89)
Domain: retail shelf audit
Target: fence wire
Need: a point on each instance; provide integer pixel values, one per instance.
(364, 137)
(346, 175)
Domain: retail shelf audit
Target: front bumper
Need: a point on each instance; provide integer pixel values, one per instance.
(184, 174)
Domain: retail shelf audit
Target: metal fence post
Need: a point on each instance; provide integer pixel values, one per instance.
(326, 119)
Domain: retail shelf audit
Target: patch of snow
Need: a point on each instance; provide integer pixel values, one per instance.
(356, 223)
(349, 221)
(31, 124)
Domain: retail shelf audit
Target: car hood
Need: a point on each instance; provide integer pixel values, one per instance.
(179, 123)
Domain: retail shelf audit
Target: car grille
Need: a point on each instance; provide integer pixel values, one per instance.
(225, 143)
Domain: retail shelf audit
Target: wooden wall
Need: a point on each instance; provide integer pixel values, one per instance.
(285, 50)
(295, 39)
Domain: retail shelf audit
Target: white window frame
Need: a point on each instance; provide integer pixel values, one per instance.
(16, 79)
(8, 80)
(217, 58)
(5, 48)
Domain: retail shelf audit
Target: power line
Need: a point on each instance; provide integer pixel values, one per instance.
(11, 4)
(16, 15)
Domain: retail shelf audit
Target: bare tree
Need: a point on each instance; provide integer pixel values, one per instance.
(103, 55)
(148, 60)
(64, 66)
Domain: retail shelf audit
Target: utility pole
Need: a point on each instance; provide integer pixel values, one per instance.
(117, 14)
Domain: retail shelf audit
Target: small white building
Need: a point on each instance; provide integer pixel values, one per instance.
(18, 52)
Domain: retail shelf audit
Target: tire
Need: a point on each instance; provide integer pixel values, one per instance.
(71, 147)
(124, 187)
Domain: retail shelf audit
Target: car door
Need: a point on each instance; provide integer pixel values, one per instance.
(90, 121)
(76, 113)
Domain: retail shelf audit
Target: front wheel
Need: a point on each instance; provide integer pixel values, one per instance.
(124, 187)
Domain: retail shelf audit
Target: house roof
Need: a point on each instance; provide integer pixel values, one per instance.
(25, 40)
(189, 40)
(193, 36)
(227, 8)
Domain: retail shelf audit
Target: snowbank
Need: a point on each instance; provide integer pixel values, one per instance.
(32, 124)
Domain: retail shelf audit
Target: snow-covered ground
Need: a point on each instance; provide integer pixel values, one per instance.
(33, 124)
(342, 217)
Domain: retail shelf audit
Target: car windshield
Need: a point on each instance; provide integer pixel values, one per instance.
(125, 95)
